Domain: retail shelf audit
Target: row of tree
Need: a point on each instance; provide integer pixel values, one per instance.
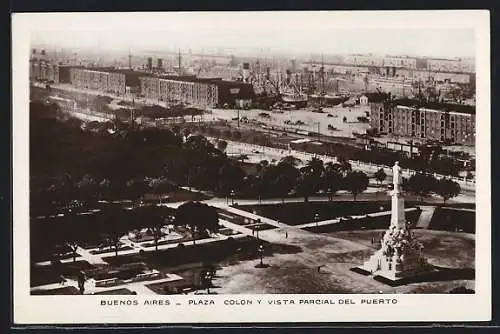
(107, 227)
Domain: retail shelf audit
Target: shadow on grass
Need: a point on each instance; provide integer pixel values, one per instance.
(435, 274)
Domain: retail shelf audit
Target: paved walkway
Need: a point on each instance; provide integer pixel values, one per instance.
(425, 216)
(139, 287)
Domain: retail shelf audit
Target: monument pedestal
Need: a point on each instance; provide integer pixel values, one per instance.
(400, 256)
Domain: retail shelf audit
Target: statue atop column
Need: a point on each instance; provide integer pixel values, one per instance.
(396, 176)
(400, 255)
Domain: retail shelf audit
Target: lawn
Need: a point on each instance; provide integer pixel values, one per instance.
(41, 275)
(67, 290)
(452, 220)
(301, 212)
(379, 222)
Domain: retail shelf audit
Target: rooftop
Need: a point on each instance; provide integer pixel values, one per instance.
(442, 106)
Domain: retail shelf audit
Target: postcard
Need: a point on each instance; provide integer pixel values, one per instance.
(251, 167)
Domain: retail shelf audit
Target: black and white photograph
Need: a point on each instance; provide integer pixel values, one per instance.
(211, 159)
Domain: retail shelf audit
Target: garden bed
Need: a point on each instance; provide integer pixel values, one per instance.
(109, 250)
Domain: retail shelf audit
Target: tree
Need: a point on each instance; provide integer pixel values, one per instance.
(310, 178)
(230, 178)
(154, 218)
(72, 232)
(198, 217)
(332, 180)
(380, 176)
(290, 160)
(421, 184)
(114, 225)
(221, 145)
(285, 176)
(447, 189)
(343, 165)
(356, 183)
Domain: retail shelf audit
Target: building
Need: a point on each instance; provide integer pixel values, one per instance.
(451, 65)
(223, 72)
(105, 80)
(179, 90)
(202, 92)
(43, 70)
(149, 65)
(443, 122)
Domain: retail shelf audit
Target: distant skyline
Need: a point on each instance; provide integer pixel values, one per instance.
(283, 32)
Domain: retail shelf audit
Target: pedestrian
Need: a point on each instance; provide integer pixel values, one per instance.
(253, 232)
(286, 235)
(81, 282)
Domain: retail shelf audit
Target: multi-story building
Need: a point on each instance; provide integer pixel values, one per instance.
(222, 72)
(185, 90)
(452, 65)
(400, 62)
(105, 80)
(438, 76)
(205, 93)
(444, 122)
(42, 70)
(363, 60)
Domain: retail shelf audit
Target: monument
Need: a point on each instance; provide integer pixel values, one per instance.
(400, 255)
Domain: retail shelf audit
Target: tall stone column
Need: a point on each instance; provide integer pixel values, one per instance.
(400, 253)
(398, 218)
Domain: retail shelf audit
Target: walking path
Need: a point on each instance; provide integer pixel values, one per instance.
(425, 216)
(139, 287)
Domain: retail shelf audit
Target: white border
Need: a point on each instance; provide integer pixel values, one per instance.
(85, 309)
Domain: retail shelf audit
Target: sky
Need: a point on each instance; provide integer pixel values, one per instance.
(295, 32)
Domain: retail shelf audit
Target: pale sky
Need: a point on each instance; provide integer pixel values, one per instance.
(421, 34)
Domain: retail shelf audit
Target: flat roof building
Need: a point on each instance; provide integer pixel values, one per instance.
(443, 122)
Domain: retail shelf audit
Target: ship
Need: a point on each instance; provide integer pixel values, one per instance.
(328, 100)
(297, 99)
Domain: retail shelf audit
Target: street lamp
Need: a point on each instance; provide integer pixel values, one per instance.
(232, 197)
(206, 279)
(260, 250)
(316, 219)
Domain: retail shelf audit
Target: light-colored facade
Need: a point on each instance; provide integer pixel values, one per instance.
(424, 75)
(42, 70)
(223, 72)
(452, 65)
(425, 123)
(100, 80)
(201, 94)
(400, 62)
